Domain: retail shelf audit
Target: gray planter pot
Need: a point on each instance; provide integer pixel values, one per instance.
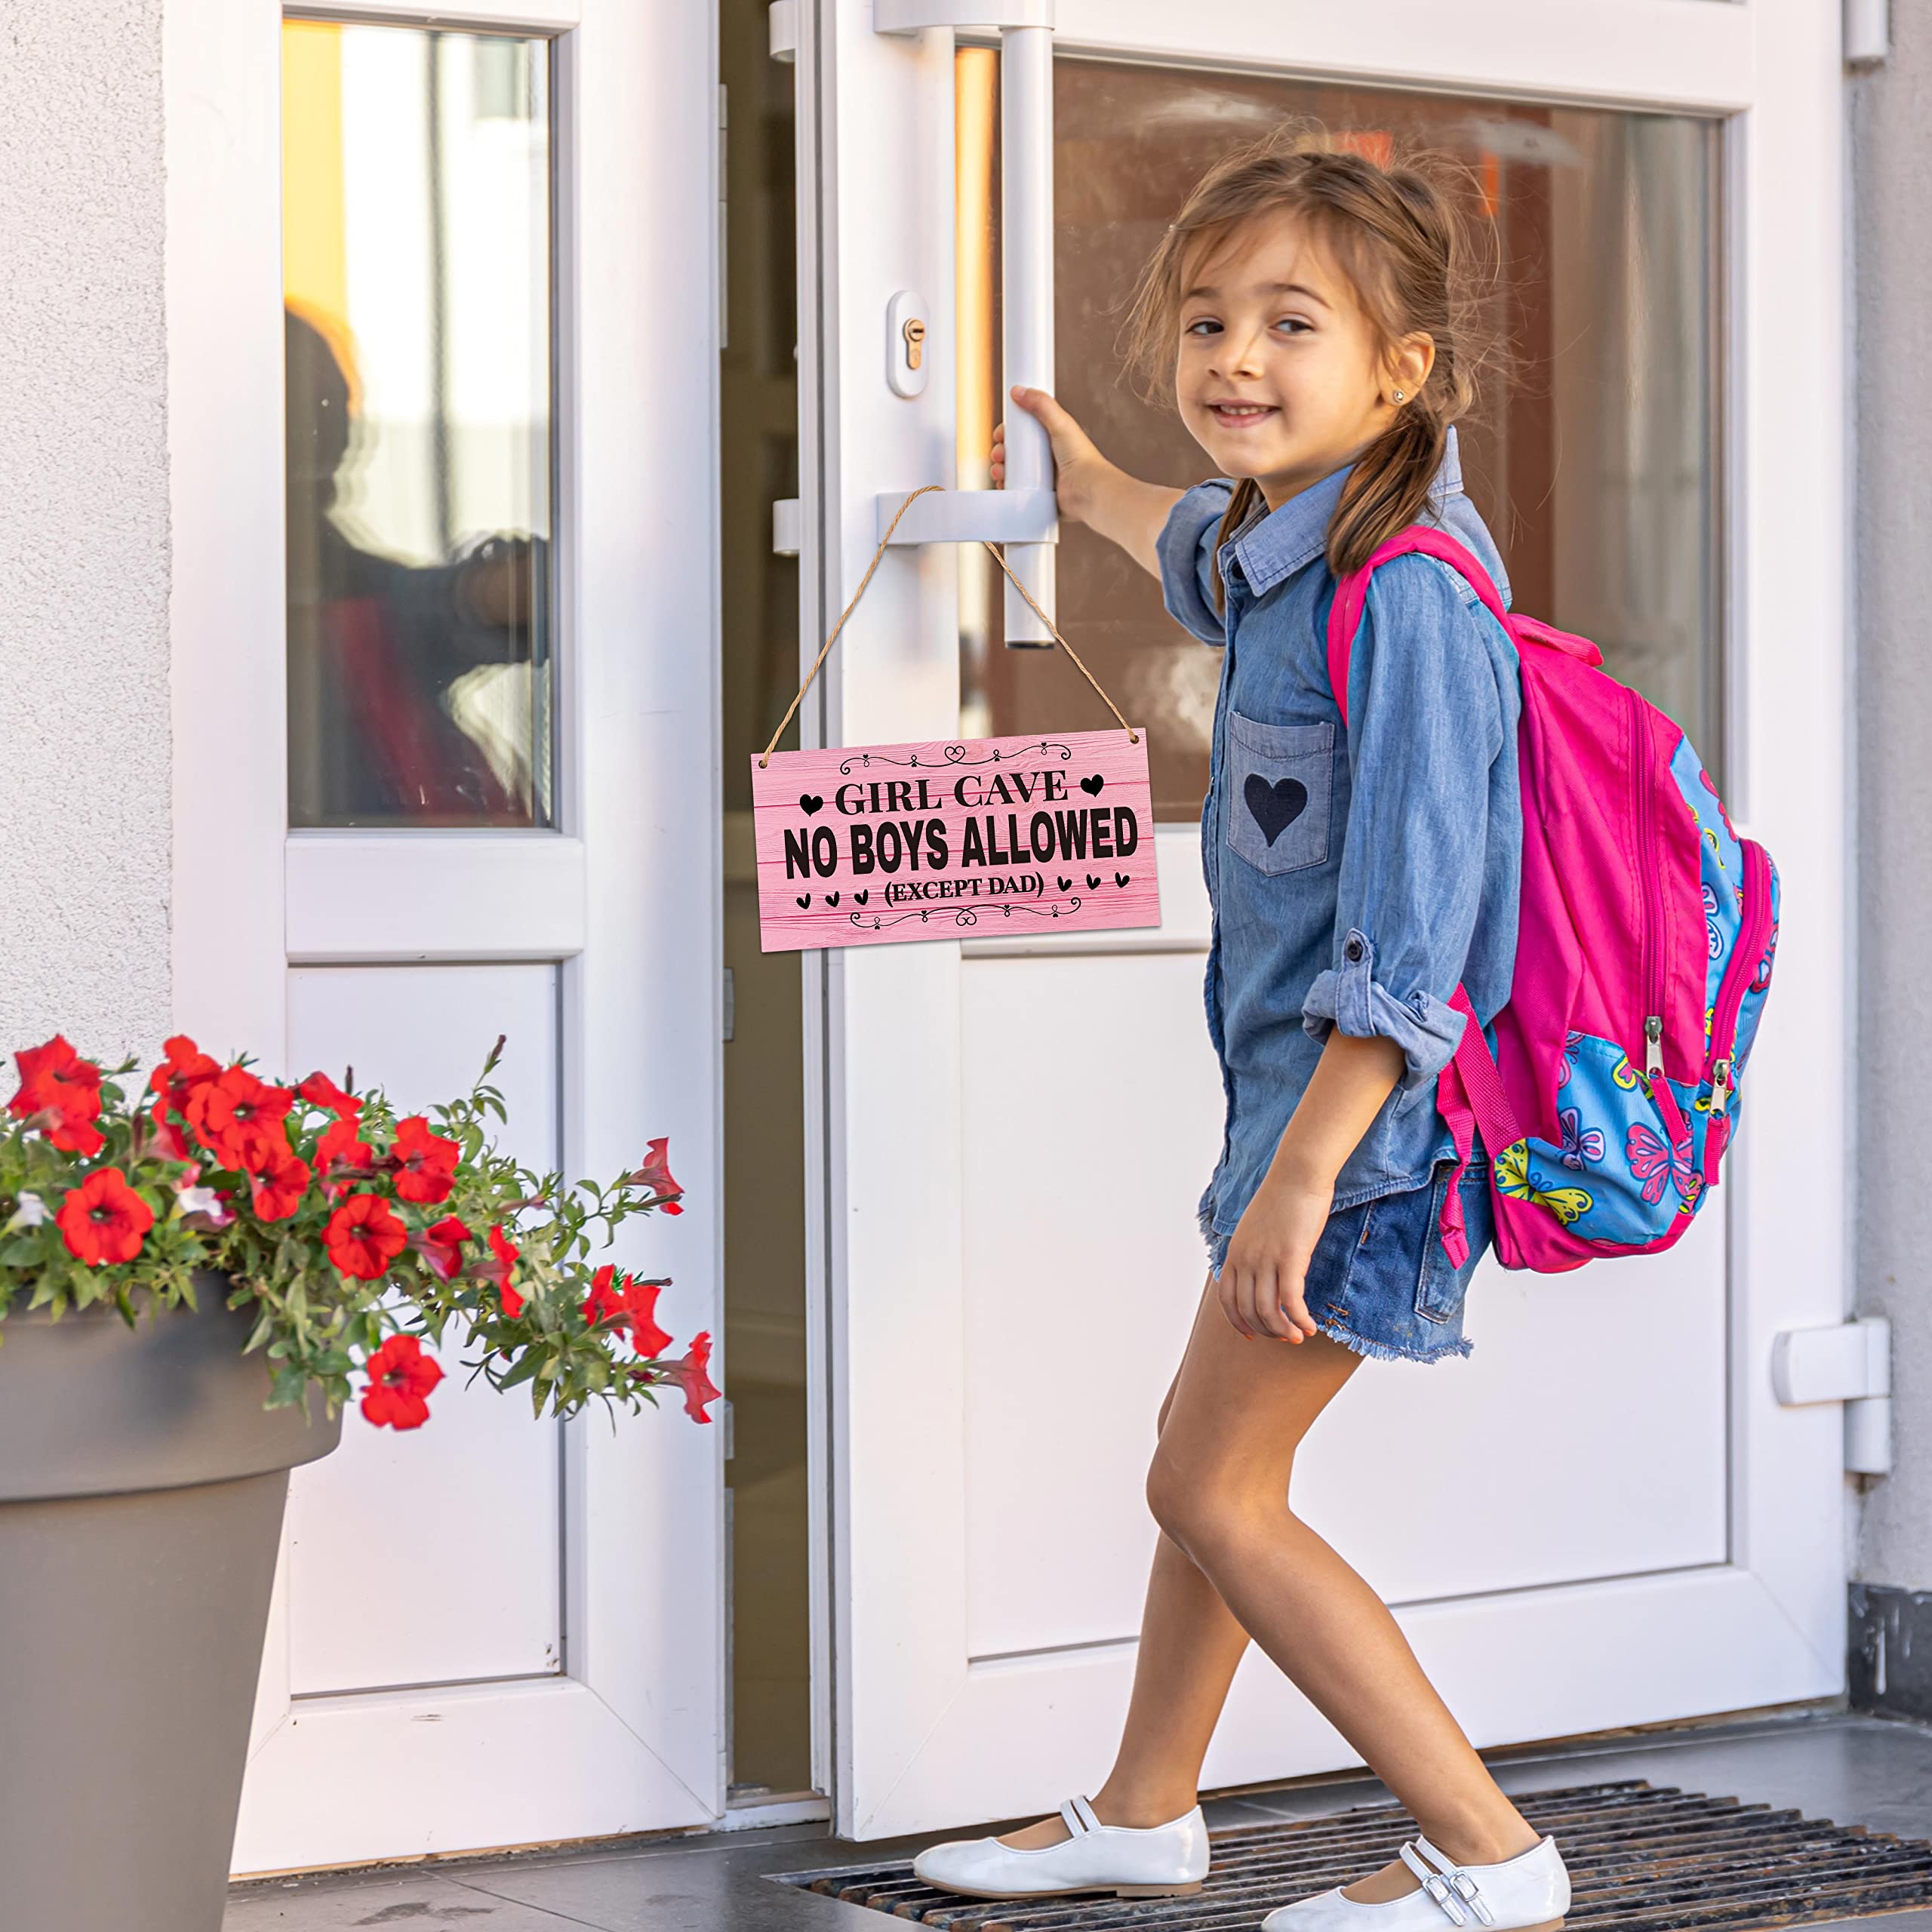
(141, 1490)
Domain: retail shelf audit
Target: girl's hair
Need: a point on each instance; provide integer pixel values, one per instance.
(1395, 231)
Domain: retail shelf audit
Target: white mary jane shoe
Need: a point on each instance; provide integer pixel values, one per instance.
(1529, 1893)
(1133, 1861)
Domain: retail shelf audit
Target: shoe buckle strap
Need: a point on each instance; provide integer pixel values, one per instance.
(1457, 1880)
(1437, 1888)
(1080, 1816)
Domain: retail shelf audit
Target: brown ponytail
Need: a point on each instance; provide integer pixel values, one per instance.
(1397, 232)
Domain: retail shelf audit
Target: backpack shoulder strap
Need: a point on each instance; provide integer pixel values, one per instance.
(1351, 595)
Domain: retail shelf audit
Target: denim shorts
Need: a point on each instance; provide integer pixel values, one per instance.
(1379, 1281)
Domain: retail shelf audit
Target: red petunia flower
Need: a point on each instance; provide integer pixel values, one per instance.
(441, 1247)
(166, 1140)
(656, 1174)
(506, 1252)
(54, 1075)
(279, 1185)
(341, 1160)
(630, 1307)
(338, 1142)
(605, 1301)
(364, 1236)
(689, 1373)
(426, 1169)
(186, 1068)
(401, 1376)
(61, 1093)
(239, 1118)
(103, 1219)
(647, 1337)
(319, 1091)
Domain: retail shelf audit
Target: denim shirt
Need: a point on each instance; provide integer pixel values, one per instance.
(1357, 873)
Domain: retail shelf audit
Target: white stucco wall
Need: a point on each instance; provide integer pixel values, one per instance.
(1891, 131)
(83, 528)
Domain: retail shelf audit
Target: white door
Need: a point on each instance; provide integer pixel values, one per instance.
(1603, 1519)
(462, 288)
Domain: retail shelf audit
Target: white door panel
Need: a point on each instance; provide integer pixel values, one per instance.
(1601, 1519)
(1585, 1437)
(1082, 1288)
(1094, 1082)
(470, 1592)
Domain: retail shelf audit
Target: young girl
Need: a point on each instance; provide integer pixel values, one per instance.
(1313, 308)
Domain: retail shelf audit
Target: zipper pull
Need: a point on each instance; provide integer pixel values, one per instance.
(1720, 1086)
(1653, 1047)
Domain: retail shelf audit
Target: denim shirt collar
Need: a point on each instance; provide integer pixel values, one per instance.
(1273, 545)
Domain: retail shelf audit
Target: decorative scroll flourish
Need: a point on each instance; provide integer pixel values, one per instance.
(963, 915)
(956, 755)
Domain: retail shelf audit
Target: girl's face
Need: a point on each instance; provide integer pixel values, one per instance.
(1281, 377)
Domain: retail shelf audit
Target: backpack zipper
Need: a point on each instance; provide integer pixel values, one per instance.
(1750, 950)
(1652, 908)
(1721, 1065)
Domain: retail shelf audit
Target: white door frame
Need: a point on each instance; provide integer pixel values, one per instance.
(630, 1737)
(1767, 1626)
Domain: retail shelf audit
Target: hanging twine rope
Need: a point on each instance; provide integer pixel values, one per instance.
(992, 550)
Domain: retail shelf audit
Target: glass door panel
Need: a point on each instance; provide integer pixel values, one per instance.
(1595, 460)
(417, 290)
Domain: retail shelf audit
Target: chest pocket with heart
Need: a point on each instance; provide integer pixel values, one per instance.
(1276, 797)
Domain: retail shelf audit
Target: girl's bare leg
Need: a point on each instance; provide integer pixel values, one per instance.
(1233, 1562)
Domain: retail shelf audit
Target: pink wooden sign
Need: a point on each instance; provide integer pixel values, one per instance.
(954, 840)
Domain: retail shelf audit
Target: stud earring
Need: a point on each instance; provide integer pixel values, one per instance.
(1398, 396)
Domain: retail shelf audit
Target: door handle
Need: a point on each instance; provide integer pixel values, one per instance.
(1026, 267)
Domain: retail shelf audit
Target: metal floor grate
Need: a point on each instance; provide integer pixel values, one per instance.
(1642, 1858)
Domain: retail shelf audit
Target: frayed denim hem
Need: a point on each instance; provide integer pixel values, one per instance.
(1217, 1242)
(1383, 1352)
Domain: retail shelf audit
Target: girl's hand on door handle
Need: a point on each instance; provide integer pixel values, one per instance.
(1090, 490)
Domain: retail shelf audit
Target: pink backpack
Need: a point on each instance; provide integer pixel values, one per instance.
(1643, 952)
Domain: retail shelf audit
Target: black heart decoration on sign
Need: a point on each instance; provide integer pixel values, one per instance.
(859, 898)
(1275, 807)
(810, 802)
(1091, 786)
(1092, 880)
(832, 899)
(806, 901)
(1121, 878)
(1066, 885)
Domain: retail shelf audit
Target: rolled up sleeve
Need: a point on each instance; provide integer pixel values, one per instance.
(1424, 726)
(1185, 548)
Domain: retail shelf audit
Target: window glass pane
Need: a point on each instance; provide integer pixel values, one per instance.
(416, 204)
(1595, 466)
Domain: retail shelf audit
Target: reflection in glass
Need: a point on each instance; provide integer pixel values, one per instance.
(1595, 466)
(416, 203)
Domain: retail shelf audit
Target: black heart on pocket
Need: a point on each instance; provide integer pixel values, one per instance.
(810, 802)
(859, 898)
(807, 900)
(1275, 807)
(832, 899)
(1066, 885)
(1091, 786)
(1092, 880)
(1121, 878)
